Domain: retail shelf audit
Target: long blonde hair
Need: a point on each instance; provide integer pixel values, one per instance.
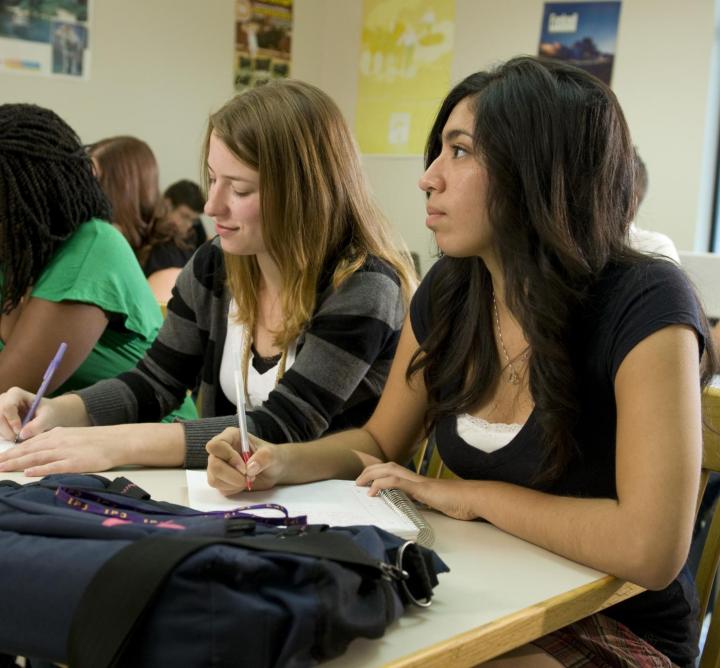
(317, 212)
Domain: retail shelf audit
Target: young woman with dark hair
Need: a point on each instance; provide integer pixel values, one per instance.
(303, 291)
(558, 371)
(66, 274)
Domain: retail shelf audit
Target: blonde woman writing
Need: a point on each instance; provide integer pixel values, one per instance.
(303, 289)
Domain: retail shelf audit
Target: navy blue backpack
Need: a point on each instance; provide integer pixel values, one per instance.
(95, 573)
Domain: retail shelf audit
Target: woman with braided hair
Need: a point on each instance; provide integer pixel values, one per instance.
(65, 273)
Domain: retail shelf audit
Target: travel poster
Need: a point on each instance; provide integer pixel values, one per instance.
(583, 34)
(405, 57)
(263, 32)
(45, 37)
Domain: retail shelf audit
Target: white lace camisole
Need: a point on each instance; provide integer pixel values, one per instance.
(484, 435)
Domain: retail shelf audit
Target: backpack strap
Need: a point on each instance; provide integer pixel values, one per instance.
(109, 610)
(122, 485)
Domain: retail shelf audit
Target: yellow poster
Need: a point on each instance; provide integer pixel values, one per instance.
(405, 59)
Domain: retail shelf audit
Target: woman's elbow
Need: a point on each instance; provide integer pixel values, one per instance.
(657, 577)
(656, 563)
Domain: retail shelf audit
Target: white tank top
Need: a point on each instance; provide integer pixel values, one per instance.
(259, 385)
(484, 435)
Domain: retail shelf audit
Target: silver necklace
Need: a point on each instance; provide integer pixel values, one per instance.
(514, 376)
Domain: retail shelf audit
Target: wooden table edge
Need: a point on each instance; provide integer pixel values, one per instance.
(501, 635)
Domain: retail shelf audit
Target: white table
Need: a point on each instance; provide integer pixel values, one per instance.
(502, 592)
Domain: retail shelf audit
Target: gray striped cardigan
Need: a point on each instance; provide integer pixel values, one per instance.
(343, 358)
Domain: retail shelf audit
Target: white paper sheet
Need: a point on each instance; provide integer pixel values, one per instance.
(334, 502)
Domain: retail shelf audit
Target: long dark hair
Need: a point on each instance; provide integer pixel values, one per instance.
(561, 197)
(47, 190)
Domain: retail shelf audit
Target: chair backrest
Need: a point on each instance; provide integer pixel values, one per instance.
(708, 567)
(704, 271)
(427, 461)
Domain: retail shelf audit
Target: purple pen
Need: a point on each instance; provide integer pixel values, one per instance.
(49, 372)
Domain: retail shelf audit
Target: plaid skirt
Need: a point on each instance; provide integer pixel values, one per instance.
(602, 642)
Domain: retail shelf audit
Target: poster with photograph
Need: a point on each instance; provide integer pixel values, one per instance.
(45, 37)
(405, 57)
(263, 32)
(583, 34)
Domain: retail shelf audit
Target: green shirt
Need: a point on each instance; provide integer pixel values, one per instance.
(97, 266)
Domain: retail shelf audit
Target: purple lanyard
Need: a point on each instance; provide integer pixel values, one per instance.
(119, 512)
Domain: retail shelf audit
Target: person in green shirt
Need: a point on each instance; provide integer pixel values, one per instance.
(65, 273)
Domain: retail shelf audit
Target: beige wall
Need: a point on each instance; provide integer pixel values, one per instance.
(159, 67)
(661, 76)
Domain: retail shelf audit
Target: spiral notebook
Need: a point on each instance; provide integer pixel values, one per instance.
(333, 502)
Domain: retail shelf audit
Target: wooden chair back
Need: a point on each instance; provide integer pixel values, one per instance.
(707, 570)
(427, 461)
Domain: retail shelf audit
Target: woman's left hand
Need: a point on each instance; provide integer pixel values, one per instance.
(67, 450)
(451, 497)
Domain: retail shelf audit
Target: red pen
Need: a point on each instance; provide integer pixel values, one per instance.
(245, 451)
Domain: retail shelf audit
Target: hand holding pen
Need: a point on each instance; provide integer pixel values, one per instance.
(245, 451)
(47, 377)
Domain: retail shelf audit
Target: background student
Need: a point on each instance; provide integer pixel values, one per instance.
(67, 274)
(128, 173)
(558, 369)
(176, 238)
(649, 241)
(303, 290)
(184, 202)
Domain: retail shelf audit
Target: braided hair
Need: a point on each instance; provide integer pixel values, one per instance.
(47, 190)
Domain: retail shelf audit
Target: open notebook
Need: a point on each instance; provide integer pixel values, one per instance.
(333, 502)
